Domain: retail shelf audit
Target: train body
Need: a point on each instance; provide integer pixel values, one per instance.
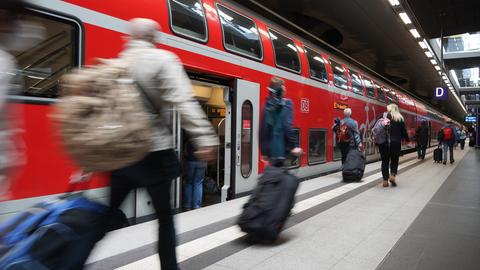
(230, 54)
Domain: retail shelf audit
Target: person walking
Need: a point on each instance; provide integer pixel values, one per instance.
(277, 139)
(347, 133)
(421, 135)
(195, 174)
(161, 77)
(390, 151)
(462, 135)
(447, 136)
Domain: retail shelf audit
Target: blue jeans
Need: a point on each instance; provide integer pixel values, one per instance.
(192, 193)
(447, 146)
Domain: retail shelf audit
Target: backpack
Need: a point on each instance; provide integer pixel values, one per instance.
(447, 134)
(343, 133)
(102, 119)
(380, 130)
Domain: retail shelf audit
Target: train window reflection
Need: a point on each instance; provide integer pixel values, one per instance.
(369, 87)
(381, 94)
(317, 150)
(294, 162)
(339, 76)
(246, 139)
(240, 34)
(45, 61)
(317, 65)
(357, 86)
(187, 18)
(286, 52)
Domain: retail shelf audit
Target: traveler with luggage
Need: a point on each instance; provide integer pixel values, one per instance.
(347, 134)
(421, 136)
(268, 207)
(390, 149)
(462, 135)
(447, 137)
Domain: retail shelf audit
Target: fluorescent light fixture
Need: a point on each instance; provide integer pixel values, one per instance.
(438, 68)
(423, 45)
(428, 54)
(415, 33)
(394, 3)
(433, 61)
(405, 18)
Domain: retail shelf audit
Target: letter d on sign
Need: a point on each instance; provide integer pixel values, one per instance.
(440, 93)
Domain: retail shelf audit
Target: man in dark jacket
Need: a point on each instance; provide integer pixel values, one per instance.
(421, 136)
(277, 139)
(354, 138)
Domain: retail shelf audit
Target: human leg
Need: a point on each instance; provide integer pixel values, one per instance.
(200, 170)
(189, 185)
(383, 148)
(445, 150)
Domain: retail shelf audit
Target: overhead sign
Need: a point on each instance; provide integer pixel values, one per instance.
(470, 119)
(441, 93)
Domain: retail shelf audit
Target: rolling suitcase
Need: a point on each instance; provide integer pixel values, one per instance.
(52, 235)
(438, 154)
(354, 166)
(268, 207)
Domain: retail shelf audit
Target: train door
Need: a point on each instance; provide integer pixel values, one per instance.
(245, 148)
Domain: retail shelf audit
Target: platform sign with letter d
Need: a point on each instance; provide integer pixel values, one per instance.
(441, 93)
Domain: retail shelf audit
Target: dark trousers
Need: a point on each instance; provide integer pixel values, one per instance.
(462, 143)
(344, 149)
(390, 154)
(395, 148)
(384, 149)
(154, 173)
(421, 150)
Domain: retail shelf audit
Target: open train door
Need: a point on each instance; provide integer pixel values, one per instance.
(245, 156)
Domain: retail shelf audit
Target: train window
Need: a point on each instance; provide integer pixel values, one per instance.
(240, 34)
(317, 142)
(187, 18)
(317, 65)
(294, 162)
(339, 76)
(246, 139)
(357, 86)
(392, 97)
(286, 52)
(45, 61)
(381, 94)
(369, 87)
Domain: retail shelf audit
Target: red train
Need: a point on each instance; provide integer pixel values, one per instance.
(230, 54)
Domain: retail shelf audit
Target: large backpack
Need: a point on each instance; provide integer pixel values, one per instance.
(102, 119)
(447, 134)
(343, 133)
(380, 130)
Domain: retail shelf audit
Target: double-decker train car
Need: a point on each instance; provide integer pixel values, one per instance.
(230, 54)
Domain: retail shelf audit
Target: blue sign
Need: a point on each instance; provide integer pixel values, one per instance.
(441, 93)
(470, 119)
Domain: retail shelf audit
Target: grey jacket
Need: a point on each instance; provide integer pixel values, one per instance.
(166, 86)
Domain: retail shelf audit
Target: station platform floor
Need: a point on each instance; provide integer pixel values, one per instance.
(431, 220)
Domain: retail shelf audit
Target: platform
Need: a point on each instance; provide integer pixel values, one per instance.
(430, 221)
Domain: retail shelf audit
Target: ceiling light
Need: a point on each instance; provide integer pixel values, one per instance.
(394, 3)
(428, 54)
(433, 61)
(415, 33)
(438, 68)
(405, 18)
(423, 45)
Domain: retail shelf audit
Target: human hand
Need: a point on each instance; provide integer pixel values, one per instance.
(208, 154)
(297, 151)
(265, 160)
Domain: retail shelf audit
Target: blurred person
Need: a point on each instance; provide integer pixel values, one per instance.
(421, 135)
(277, 139)
(195, 174)
(447, 136)
(347, 133)
(462, 136)
(397, 133)
(161, 77)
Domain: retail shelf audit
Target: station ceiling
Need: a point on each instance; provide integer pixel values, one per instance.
(372, 33)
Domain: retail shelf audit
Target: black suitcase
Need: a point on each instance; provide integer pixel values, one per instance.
(266, 211)
(354, 166)
(438, 154)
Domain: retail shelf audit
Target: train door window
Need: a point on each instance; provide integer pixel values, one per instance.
(370, 88)
(43, 62)
(357, 86)
(339, 76)
(286, 52)
(246, 139)
(240, 34)
(317, 150)
(392, 97)
(381, 94)
(317, 65)
(294, 162)
(187, 18)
